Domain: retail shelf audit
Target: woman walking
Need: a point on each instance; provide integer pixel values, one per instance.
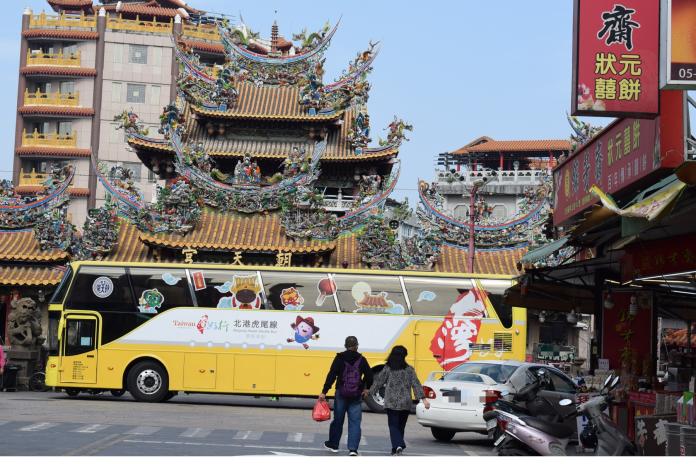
(399, 379)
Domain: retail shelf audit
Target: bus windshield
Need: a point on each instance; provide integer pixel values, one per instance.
(59, 294)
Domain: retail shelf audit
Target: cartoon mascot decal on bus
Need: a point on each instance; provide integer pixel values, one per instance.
(305, 330)
(451, 345)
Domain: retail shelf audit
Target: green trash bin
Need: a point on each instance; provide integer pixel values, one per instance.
(9, 378)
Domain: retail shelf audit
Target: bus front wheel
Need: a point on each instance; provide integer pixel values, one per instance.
(148, 381)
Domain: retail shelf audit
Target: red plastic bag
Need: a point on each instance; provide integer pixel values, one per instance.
(321, 411)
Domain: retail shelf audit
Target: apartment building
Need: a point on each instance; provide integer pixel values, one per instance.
(82, 64)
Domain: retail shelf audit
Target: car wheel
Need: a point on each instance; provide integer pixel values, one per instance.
(148, 381)
(72, 391)
(441, 434)
(118, 393)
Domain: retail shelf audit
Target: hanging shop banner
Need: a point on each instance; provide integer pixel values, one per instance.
(678, 44)
(626, 152)
(616, 58)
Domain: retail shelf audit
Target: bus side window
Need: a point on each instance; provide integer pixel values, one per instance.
(227, 289)
(159, 289)
(79, 336)
(432, 296)
(370, 294)
(101, 288)
(295, 291)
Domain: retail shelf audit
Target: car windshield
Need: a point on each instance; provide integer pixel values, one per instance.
(498, 372)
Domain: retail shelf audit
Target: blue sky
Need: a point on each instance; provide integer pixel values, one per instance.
(455, 70)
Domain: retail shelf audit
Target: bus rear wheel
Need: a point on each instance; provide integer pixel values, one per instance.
(72, 391)
(148, 381)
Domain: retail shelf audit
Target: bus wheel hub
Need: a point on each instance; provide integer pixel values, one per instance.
(149, 381)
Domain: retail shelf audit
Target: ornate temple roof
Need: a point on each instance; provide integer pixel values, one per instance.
(235, 231)
(129, 247)
(59, 5)
(488, 145)
(206, 47)
(267, 102)
(500, 262)
(22, 246)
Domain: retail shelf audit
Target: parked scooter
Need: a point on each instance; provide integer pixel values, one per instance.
(526, 402)
(526, 435)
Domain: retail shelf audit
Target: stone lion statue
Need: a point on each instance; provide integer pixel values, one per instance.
(25, 323)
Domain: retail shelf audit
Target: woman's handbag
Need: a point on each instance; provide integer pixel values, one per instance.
(321, 411)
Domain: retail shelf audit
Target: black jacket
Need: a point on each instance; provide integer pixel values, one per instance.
(336, 370)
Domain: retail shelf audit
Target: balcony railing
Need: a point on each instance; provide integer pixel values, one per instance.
(513, 177)
(118, 23)
(51, 99)
(54, 139)
(201, 32)
(31, 178)
(62, 21)
(339, 202)
(53, 59)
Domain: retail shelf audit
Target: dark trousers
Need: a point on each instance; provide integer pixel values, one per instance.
(397, 426)
(352, 406)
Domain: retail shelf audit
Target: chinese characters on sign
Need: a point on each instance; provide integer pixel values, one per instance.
(188, 255)
(616, 58)
(237, 259)
(283, 259)
(658, 257)
(624, 153)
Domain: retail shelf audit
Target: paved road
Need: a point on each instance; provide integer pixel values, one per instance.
(211, 425)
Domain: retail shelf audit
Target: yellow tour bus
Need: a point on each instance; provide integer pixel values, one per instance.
(157, 329)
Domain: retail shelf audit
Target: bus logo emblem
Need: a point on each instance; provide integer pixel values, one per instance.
(103, 287)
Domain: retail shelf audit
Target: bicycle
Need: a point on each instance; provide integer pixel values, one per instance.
(37, 381)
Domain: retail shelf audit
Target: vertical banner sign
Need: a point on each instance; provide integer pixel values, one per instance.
(678, 44)
(616, 58)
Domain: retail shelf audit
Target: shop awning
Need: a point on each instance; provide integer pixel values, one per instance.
(543, 251)
(551, 297)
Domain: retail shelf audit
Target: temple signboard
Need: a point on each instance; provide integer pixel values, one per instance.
(616, 58)
(624, 153)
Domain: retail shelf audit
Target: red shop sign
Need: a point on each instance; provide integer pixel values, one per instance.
(658, 257)
(624, 153)
(616, 58)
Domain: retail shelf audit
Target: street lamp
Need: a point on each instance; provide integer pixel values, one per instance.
(477, 184)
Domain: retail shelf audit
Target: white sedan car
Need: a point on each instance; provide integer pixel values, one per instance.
(458, 398)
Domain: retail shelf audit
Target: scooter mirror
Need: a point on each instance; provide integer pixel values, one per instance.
(541, 373)
(615, 382)
(565, 402)
(608, 379)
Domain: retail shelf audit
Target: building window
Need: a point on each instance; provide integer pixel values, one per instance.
(116, 92)
(70, 50)
(67, 87)
(65, 128)
(135, 93)
(461, 211)
(151, 177)
(155, 94)
(135, 167)
(499, 211)
(156, 54)
(137, 54)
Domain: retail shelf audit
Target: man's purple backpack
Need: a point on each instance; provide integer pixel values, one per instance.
(350, 385)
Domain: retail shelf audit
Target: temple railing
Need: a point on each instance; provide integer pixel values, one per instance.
(51, 139)
(118, 23)
(339, 202)
(201, 32)
(31, 178)
(507, 177)
(62, 21)
(53, 59)
(51, 99)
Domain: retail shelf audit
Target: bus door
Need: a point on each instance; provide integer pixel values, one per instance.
(78, 363)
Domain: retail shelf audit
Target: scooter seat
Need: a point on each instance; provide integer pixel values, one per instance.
(555, 429)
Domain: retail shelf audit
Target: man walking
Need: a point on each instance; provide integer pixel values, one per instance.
(353, 378)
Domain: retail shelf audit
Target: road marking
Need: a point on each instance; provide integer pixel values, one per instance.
(4, 422)
(38, 426)
(143, 430)
(299, 437)
(248, 435)
(240, 445)
(195, 432)
(96, 446)
(280, 453)
(363, 440)
(93, 428)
